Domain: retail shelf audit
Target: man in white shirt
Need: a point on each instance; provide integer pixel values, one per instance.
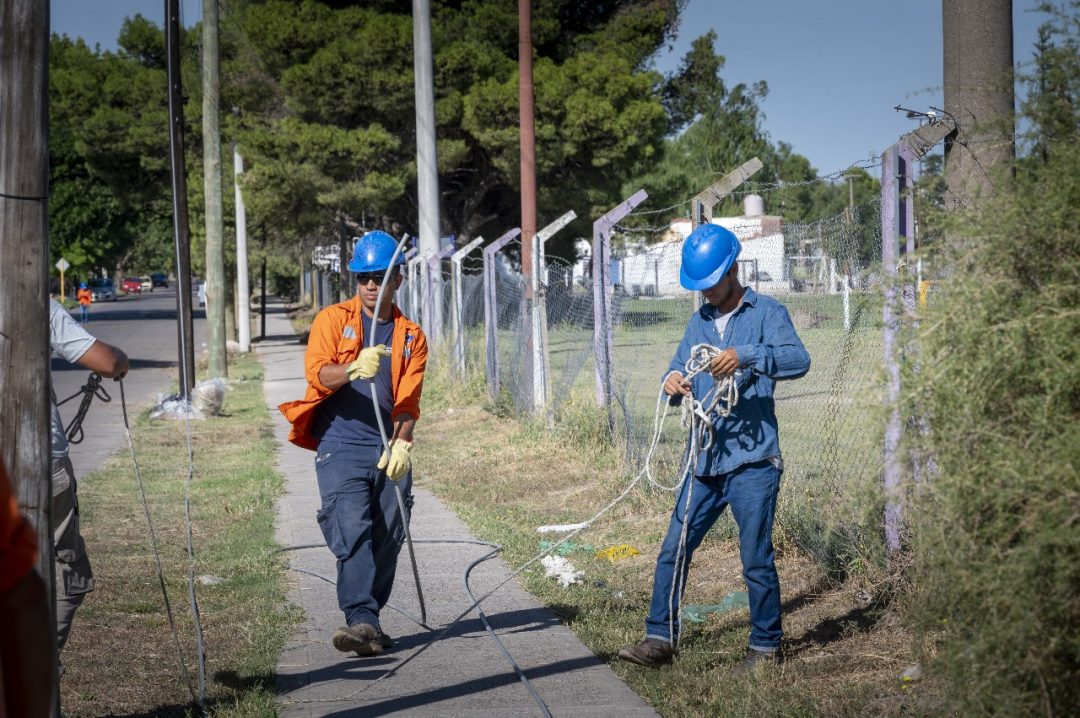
(74, 578)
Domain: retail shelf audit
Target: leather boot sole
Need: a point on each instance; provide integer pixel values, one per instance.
(348, 643)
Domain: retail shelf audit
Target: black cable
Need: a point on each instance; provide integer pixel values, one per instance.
(92, 388)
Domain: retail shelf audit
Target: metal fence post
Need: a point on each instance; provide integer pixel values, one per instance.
(890, 256)
(456, 308)
(541, 363)
(602, 297)
(491, 313)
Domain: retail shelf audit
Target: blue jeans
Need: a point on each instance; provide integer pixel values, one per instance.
(751, 492)
(84, 313)
(362, 526)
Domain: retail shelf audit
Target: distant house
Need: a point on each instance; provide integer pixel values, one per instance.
(653, 269)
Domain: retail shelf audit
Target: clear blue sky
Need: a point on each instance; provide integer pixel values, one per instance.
(835, 69)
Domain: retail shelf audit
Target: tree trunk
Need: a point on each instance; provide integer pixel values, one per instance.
(216, 289)
(978, 74)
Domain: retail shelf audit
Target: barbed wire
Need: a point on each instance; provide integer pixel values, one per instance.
(838, 219)
(755, 187)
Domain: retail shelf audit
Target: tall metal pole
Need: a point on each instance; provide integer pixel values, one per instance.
(179, 200)
(243, 286)
(977, 49)
(24, 295)
(427, 167)
(529, 247)
(215, 248)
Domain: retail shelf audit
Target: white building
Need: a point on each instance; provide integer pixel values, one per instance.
(653, 269)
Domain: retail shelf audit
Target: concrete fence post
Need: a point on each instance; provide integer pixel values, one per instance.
(602, 297)
(890, 264)
(541, 360)
(457, 325)
(433, 289)
(491, 310)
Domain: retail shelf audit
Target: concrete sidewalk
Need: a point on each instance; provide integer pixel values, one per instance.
(464, 674)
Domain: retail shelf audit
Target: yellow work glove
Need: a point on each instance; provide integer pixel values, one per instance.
(367, 364)
(396, 462)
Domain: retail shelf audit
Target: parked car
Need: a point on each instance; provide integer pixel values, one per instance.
(160, 279)
(131, 285)
(103, 290)
(146, 284)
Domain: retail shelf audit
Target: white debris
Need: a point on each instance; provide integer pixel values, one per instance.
(559, 568)
(208, 396)
(171, 406)
(208, 579)
(557, 528)
(912, 673)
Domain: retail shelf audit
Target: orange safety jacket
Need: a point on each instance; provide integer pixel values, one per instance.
(84, 296)
(18, 543)
(337, 336)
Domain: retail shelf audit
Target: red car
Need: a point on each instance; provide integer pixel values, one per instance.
(131, 285)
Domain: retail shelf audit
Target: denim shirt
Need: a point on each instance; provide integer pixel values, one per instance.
(768, 349)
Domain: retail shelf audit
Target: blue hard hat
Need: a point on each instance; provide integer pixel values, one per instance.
(82, 285)
(707, 255)
(372, 253)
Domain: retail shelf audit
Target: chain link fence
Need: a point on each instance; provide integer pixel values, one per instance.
(826, 273)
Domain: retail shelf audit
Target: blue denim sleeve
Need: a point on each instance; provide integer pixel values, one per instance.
(678, 362)
(782, 354)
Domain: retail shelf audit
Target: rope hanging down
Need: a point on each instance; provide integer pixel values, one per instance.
(200, 697)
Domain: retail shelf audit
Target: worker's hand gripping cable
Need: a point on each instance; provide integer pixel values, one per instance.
(366, 366)
(395, 459)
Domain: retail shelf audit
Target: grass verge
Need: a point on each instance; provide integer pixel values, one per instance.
(845, 654)
(120, 659)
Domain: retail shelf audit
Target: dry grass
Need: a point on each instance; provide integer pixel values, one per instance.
(505, 478)
(120, 659)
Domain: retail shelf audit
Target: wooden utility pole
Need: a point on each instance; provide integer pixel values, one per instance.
(181, 236)
(979, 95)
(24, 248)
(24, 294)
(216, 284)
(529, 263)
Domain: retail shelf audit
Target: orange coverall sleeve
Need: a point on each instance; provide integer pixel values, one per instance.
(411, 384)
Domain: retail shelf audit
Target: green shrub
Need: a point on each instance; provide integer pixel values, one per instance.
(995, 530)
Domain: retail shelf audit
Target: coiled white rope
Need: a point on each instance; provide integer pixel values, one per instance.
(720, 400)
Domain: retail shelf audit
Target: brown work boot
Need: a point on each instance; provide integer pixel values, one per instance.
(651, 653)
(755, 659)
(384, 640)
(361, 638)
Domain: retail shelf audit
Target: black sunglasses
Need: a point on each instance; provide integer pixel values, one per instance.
(365, 277)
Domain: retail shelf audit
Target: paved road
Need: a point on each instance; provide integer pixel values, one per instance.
(144, 326)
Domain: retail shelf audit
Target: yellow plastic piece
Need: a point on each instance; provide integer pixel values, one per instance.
(620, 551)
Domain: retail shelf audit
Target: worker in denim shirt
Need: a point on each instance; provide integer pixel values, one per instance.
(741, 468)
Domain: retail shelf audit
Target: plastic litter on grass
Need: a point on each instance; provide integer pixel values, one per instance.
(699, 613)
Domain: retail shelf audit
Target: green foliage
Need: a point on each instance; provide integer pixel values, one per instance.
(110, 207)
(716, 129)
(995, 529)
(327, 107)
